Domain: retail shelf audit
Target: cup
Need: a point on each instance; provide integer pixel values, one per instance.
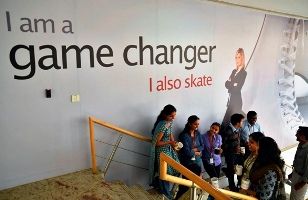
(243, 150)
(215, 182)
(239, 170)
(245, 184)
(217, 150)
(178, 146)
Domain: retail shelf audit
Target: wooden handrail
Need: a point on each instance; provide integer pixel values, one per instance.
(121, 130)
(220, 194)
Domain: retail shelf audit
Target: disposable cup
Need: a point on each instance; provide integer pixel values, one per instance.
(243, 150)
(215, 182)
(239, 170)
(245, 184)
(178, 146)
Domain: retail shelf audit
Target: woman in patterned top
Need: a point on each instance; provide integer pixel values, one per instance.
(267, 170)
(163, 141)
(253, 145)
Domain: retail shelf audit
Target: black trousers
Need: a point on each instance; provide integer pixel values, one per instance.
(232, 160)
(195, 168)
(212, 170)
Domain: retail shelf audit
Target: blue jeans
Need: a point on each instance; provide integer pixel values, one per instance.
(165, 188)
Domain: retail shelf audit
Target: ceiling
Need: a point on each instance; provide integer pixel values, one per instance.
(290, 8)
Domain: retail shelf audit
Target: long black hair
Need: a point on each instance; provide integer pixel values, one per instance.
(168, 110)
(256, 136)
(190, 120)
(268, 153)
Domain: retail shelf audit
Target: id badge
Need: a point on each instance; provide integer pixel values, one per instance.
(211, 161)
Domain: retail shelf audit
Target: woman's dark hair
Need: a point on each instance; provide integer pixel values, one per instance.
(216, 124)
(168, 110)
(256, 136)
(268, 153)
(190, 120)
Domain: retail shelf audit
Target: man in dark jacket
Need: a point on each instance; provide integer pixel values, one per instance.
(299, 176)
(231, 147)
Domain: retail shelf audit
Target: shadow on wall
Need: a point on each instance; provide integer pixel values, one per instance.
(301, 92)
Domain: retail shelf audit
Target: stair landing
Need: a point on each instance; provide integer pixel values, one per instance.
(82, 185)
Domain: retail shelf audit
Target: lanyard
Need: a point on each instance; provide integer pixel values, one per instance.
(211, 145)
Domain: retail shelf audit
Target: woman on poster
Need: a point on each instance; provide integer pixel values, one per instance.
(234, 85)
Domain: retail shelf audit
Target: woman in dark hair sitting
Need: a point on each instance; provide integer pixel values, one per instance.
(163, 141)
(267, 170)
(211, 155)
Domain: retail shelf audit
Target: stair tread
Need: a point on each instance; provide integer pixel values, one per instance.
(138, 192)
(156, 195)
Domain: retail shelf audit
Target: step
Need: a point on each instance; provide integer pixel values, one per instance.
(139, 192)
(156, 195)
(119, 191)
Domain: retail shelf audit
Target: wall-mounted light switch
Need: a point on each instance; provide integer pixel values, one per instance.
(75, 98)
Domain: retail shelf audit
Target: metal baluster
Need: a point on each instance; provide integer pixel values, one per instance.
(193, 192)
(111, 156)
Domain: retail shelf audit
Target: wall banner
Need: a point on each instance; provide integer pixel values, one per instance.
(127, 60)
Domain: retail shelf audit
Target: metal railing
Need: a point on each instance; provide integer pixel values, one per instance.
(93, 121)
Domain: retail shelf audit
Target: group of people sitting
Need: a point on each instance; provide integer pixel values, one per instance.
(241, 142)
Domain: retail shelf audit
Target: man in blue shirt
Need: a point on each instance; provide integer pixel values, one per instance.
(250, 126)
(299, 176)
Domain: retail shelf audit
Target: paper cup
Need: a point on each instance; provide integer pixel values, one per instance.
(215, 182)
(178, 146)
(239, 170)
(245, 184)
(243, 150)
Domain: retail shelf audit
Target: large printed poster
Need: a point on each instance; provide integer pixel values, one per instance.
(126, 60)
